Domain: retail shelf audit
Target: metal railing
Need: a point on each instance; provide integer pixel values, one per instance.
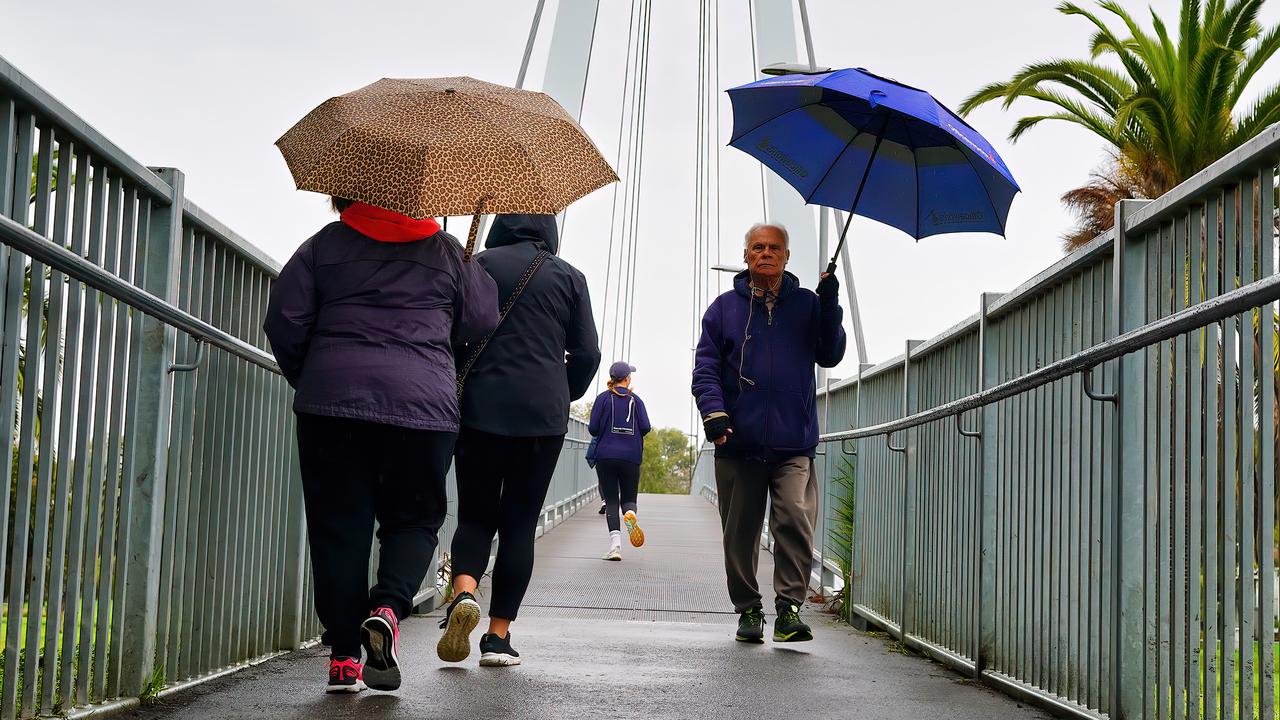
(151, 532)
(1071, 495)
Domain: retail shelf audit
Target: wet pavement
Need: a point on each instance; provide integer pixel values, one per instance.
(648, 637)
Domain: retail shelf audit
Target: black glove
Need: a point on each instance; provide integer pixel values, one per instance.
(829, 290)
(716, 427)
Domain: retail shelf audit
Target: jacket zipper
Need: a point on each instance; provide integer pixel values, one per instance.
(768, 342)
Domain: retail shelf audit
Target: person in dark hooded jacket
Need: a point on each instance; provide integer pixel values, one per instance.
(362, 321)
(515, 413)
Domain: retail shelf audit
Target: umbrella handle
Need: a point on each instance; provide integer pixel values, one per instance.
(475, 229)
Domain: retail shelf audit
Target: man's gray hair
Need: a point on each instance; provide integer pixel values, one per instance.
(781, 230)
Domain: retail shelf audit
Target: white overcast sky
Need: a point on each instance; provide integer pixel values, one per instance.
(208, 87)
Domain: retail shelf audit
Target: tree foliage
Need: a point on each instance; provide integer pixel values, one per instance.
(581, 410)
(668, 462)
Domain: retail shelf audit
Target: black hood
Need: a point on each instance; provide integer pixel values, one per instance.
(513, 229)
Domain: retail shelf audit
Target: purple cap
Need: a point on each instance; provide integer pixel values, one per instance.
(620, 369)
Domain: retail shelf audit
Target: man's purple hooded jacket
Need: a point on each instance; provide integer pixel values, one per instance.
(757, 365)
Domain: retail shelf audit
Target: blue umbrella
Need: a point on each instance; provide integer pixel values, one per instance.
(852, 140)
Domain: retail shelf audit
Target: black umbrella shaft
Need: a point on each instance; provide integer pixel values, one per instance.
(862, 184)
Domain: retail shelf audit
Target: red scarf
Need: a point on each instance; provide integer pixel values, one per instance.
(387, 226)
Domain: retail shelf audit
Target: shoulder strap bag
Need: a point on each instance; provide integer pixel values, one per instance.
(506, 310)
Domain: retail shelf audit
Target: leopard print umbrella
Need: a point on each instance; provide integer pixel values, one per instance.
(445, 146)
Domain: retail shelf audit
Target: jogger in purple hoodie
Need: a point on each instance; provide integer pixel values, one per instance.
(753, 378)
(619, 422)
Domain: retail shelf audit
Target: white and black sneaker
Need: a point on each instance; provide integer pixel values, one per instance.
(497, 652)
(461, 619)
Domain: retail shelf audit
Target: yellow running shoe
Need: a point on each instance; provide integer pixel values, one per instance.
(633, 529)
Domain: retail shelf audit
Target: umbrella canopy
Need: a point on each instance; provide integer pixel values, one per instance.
(852, 140)
(445, 146)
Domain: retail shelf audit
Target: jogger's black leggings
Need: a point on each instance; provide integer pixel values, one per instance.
(354, 472)
(619, 485)
(502, 485)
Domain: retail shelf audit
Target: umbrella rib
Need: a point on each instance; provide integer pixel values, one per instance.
(496, 99)
(566, 121)
(987, 192)
(915, 175)
(832, 166)
(739, 136)
(527, 155)
(311, 170)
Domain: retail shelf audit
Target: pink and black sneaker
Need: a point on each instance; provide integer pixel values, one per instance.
(380, 635)
(344, 675)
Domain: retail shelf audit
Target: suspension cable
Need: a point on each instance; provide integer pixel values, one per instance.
(635, 207)
(617, 231)
(624, 232)
(715, 4)
(755, 68)
(631, 210)
(699, 157)
(613, 216)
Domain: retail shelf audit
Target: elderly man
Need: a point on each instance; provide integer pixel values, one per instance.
(754, 382)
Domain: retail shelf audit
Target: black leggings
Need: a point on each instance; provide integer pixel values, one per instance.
(502, 484)
(354, 472)
(619, 485)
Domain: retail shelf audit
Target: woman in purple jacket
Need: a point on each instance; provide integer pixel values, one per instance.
(619, 421)
(362, 321)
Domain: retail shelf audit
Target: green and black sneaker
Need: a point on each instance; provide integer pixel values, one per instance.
(789, 627)
(751, 626)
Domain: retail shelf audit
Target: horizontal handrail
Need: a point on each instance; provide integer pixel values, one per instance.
(1253, 295)
(63, 260)
(27, 92)
(194, 214)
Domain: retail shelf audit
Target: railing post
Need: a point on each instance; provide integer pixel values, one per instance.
(988, 470)
(143, 483)
(908, 602)
(1129, 298)
(297, 568)
(855, 544)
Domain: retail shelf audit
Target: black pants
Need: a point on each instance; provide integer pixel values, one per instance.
(502, 484)
(354, 472)
(619, 485)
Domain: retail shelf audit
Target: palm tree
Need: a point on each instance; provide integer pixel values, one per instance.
(1167, 106)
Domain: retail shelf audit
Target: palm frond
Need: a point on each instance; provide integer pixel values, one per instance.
(1262, 51)
(1097, 83)
(1150, 111)
(1145, 49)
(1100, 123)
(1024, 124)
(1104, 42)
(1264, 112)
(1239, 23)
(1189, 30)
(989, 93)
(1166, 42)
